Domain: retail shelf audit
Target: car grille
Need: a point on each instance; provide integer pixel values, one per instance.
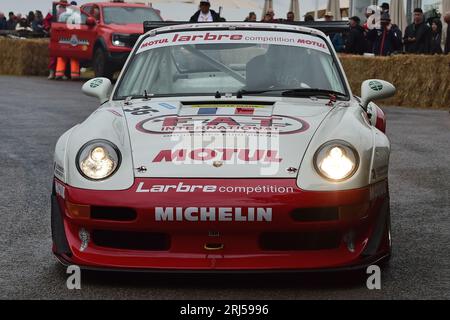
(147, 241)
(292, 241)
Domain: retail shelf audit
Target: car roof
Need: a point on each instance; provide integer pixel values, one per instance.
(118, 4)
(231, 25)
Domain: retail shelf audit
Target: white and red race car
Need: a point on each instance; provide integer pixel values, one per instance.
(226, 147)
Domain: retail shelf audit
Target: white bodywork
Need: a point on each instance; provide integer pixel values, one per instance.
(296, 143)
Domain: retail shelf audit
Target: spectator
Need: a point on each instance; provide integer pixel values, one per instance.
(356, 41)
(23, 25)
(271, 12)
(436, 37)
(290, 17)
(418, 35)
(38, 23)
(30, 19)
(12, 22)
(385, 8)
(386, 40)
(71, 14)
(251, 17)
(329, 16)
(447, 40)
(205, 14)
(3, 22)
(267, 18)
(336, 38)
(309, 18)
(47, 25)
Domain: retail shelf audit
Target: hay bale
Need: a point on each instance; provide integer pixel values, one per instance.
(24, 56)
(421, 81)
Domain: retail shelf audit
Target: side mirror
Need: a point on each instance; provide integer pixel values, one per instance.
(374, 89)
(90, 22)
(98, 88)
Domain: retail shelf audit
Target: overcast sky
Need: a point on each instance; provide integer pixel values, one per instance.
(169, 11)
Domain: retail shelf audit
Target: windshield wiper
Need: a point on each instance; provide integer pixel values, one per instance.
(305, 92)
(298, 92)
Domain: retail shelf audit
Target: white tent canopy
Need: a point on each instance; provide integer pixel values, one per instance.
(295, 8)
(334, 6)
(267, 5)
(398, 14)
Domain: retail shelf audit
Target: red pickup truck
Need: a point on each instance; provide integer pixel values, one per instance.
(100, 35)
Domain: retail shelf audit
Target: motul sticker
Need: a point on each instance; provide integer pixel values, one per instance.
(248, 37)
(240, 123)
(211, 155)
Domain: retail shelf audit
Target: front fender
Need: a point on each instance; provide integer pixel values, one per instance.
(350, 124)
(106, 123)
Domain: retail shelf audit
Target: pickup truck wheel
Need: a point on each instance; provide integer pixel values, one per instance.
(102, 67)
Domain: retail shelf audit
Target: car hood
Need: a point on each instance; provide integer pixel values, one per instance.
(204, 139)
(127, 28)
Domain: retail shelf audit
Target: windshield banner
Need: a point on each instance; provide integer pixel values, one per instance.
(229, 36)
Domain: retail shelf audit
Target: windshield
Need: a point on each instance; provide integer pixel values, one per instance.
(200, 63)
(129, 15)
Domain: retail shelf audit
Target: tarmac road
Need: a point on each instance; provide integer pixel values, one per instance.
(34, 112)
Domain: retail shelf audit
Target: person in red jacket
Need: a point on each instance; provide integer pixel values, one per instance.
(61, 62)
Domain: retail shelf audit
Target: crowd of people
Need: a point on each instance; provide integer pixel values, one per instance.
(386, 38)
(33, 22)
(380, 36)
(376, 36)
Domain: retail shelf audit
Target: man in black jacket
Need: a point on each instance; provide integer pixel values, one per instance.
(3, 23)
(417, 35)
(205, 14)
(386, 40)
(12, 22)
(356, 41)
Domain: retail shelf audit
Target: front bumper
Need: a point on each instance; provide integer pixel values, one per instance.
(303, 233)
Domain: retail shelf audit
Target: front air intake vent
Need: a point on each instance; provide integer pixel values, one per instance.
(300, 241)
(315, 214)
(128, 240)
(113, 214)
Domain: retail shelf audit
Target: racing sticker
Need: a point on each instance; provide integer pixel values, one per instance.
(218, 154)
(96, 83)
(376, 85)
(221, 214)
(241, 123)
(227, 109)
(238, 36)
(74, 41)
(60, 190)
(181, 187)
(114, 112)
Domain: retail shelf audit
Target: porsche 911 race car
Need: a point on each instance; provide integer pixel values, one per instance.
(226, 147)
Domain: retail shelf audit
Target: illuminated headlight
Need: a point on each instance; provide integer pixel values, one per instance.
(118, 40)
(336, 160)
(98, 159)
